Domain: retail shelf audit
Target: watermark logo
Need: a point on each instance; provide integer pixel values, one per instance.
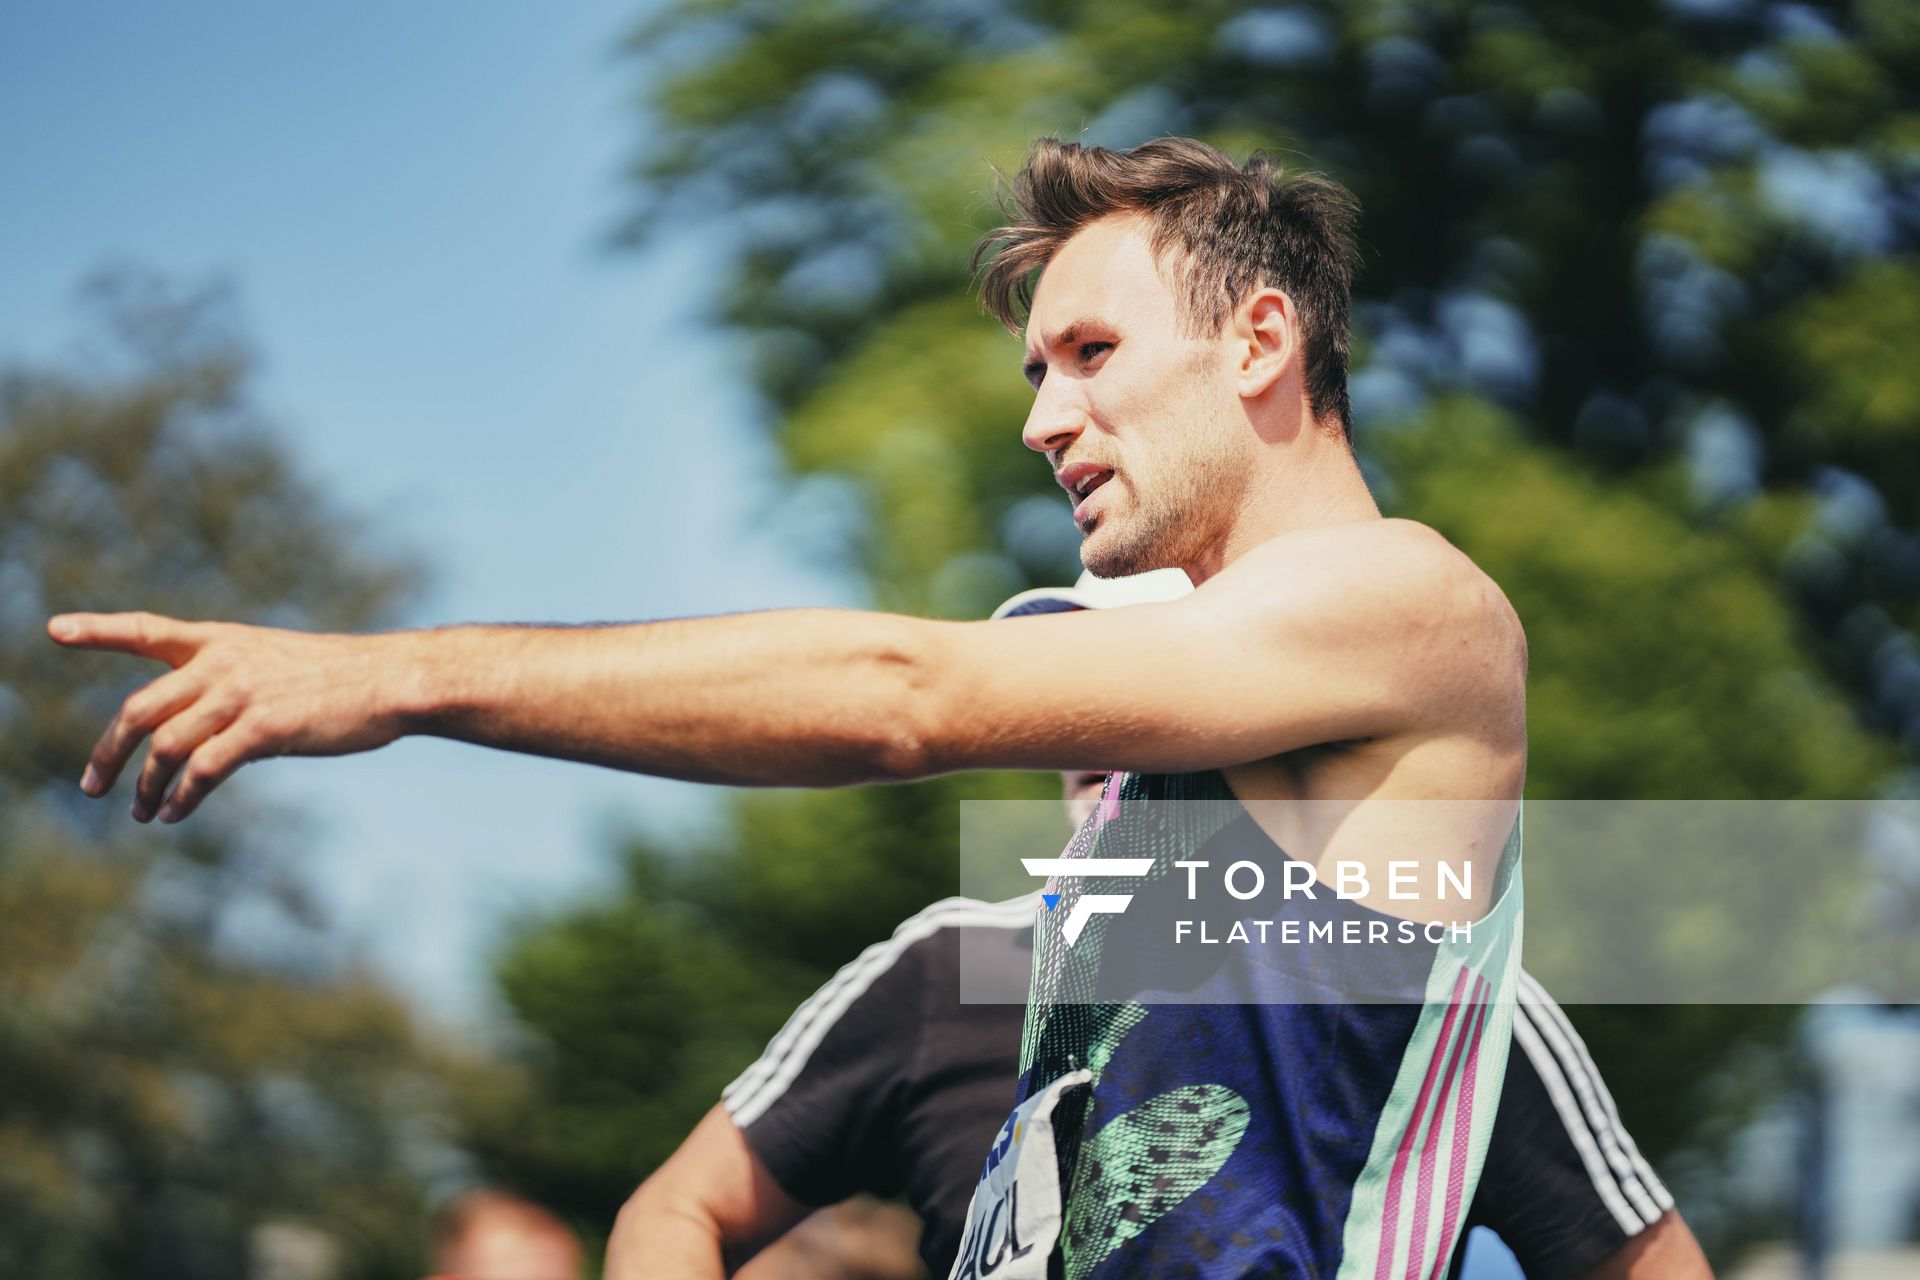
(1087, 905)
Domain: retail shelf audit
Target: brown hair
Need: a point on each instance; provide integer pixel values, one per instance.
(1229, 230)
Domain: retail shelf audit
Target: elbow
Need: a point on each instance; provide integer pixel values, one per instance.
(626, 1244)
(901, 757)
(906, 740)
(658, 1209)
(646, 1200)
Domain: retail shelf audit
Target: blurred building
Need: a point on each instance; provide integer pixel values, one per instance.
(1857, 1179)
(1860, 1185)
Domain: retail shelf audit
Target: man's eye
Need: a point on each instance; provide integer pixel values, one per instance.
(1088, 350)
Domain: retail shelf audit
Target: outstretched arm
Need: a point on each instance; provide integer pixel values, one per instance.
(1320, 636)
(808, 697)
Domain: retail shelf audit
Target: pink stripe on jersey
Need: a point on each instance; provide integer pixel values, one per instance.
(1462, 1128)
(1430, 1148)
(1390, 1214)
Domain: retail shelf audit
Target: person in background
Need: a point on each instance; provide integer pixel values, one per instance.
(485, 1234)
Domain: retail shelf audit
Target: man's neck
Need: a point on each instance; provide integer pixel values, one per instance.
(1324, 487)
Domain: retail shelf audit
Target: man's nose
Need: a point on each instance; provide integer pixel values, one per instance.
(1054, 422)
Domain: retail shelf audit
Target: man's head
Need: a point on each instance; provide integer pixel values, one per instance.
(1188, 310)
(489, 1235)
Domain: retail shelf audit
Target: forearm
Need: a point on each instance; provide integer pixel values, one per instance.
(805, 697)
(654, 1237)
(710, 1207)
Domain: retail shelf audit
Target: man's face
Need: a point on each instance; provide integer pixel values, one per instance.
(1141, 422)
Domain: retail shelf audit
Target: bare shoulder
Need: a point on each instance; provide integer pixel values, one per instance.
(1391, 578)
(1366, 558)
(1454, 574)
(1459, 591)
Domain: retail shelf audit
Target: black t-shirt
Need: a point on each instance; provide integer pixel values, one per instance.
(884, 1082)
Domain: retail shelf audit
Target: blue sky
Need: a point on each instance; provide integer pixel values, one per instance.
(412, 202)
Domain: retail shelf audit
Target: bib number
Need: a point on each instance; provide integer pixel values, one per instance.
(1014, 1217)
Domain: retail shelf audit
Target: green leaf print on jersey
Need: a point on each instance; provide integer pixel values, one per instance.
(1144, 1162)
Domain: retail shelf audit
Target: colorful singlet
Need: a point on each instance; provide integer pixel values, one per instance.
(1268, 1125)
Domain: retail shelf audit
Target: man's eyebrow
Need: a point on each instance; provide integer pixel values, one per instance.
(1063, 338)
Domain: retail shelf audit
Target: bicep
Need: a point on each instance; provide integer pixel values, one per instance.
(1666, 1250)
(1292, 646)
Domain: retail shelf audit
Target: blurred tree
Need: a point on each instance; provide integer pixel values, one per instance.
(1653, 230)
(182, 1060)
(1634, 328)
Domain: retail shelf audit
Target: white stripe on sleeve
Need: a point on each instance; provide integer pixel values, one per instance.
(762, 1084)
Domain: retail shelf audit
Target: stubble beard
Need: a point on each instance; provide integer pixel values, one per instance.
(1182, 509)
(1164, 530)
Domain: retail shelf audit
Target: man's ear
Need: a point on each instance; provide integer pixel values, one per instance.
(1269, 328)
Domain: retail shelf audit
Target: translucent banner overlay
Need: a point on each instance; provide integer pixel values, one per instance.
(1604, 902)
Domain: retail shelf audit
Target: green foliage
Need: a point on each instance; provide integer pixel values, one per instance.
(1663, 662)
(168, 1089)
(1863, 335)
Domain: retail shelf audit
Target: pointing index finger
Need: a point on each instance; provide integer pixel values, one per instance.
(145, 635)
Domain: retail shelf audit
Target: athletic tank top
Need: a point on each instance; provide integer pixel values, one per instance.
(1299, 1110)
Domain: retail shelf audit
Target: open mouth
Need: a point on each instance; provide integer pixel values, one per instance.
(1088, 483)
(1082, 480)
(1085, 499)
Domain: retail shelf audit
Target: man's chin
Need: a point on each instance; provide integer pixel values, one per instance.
(1106, 555)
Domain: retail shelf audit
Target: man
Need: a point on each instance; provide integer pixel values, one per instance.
(886, 1083)
(1187, 344)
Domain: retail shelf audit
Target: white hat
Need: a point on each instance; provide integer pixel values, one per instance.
(1156, 586)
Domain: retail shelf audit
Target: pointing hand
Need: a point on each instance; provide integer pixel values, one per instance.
(235, 694)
